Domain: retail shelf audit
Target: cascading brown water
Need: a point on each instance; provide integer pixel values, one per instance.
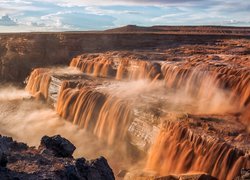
(126, 68)
(38, 83)
(178, 150)
(80, 106)
(113, 120)
(105, 116)
(204, 80)
(96, 67)
(134, 70)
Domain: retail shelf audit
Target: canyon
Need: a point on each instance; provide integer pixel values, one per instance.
(174, 102)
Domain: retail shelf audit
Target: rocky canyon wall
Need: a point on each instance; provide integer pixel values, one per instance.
(21, 52)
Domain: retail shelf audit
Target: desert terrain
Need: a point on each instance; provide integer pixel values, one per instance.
(157, 102)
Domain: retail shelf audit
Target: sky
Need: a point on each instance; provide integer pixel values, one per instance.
(83, 15)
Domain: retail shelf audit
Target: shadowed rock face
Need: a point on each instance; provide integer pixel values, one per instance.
(22, 162)
(59, 146)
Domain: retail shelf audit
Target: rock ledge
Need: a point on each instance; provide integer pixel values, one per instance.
(52, 160)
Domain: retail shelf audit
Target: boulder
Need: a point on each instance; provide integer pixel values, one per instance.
(58, 145)
(102, 166)
(82, 167)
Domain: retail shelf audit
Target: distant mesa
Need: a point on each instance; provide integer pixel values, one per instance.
(182, 29)
(129, 28)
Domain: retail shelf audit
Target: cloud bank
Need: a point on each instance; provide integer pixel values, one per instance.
(64, 15)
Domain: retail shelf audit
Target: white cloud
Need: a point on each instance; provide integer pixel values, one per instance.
(66, 3)
(50, 22)
(234, 22)
(16, 1)
(7, 21)
(98, 11)
(13, 6)
(54, 20)
(57, 14)
(166, 17)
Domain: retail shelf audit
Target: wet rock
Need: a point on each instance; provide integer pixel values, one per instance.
(6, 145)
(206, 177)
(233, 133)
(3, 159)
(95, 169)
(209, 127)
(245, 174)
(3, 152)
(197, 177)
(101, 165)
(240, 137)
(155, 70)
(71, 173)
(216, 58)
(60, 146)
(151, 176)
(82, 167)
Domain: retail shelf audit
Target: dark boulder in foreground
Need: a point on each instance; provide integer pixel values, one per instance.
(58, 145)
(18, 161)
